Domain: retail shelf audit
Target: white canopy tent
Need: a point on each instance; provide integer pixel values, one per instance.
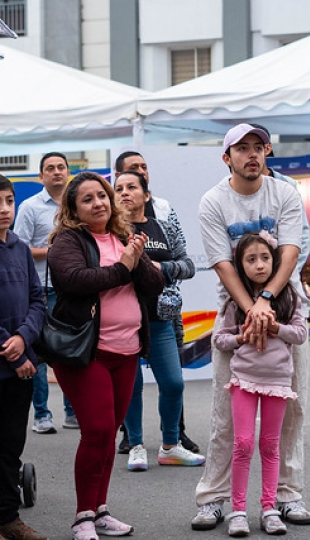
(272, 89)
(45, 106)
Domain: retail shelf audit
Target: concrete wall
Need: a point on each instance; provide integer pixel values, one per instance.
(124, 53)
(95, 22)
(236, 31)
(62, 32)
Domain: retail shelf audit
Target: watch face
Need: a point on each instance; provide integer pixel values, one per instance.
(267, 295)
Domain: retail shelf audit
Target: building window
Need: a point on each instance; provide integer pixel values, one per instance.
(14, 163)
(189, 63)
(14, 15)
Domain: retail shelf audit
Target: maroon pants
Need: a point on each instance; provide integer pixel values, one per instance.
(100, 396)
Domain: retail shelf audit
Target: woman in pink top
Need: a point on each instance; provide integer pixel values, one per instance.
(101, 392)
(259, 375)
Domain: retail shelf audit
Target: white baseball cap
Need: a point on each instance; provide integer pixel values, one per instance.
(235, 134)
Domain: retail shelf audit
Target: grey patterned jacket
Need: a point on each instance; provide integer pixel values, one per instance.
(180, 267)
(164, 211)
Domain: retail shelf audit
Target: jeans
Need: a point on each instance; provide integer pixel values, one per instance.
(40, 393)
(15, 401)
(215, 482)
(165, 363)
(40, 382)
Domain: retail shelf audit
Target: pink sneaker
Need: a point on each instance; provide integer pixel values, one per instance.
(84, 526)
(109, 526)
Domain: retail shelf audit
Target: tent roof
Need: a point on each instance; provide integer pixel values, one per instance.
(273, 88)
(44, 102)
(46, 106)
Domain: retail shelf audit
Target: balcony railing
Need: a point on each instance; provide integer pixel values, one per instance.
(14, 15)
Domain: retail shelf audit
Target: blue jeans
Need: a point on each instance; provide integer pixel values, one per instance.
(40, 382)
(165, 363)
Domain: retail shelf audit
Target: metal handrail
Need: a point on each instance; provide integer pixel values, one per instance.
(14, 15)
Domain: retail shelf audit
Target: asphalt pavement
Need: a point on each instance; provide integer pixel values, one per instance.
(160, 502)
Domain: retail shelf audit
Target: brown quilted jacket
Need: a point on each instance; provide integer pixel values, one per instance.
(77, 282)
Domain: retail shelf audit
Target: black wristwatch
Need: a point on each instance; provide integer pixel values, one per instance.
(267, 295)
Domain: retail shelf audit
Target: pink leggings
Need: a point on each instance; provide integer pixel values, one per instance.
(100, 396)
(244, 409)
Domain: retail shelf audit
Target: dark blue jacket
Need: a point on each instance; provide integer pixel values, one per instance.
(21, 300)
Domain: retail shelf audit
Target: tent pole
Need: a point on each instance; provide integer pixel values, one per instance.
(138, 133)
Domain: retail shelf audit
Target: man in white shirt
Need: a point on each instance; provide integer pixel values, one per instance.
(247, 201)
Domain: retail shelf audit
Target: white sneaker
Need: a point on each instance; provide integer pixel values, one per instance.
(44, 426)
(238, 524)
(295, 512)
(137, 460)
(84, 526)
(178, 455)
(109, 526)
(208, 516)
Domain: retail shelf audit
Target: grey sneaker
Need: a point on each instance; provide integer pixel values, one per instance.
(271, 523)
(44, 426)
(71, 422)
(238, 524)
(208, 516)
(295, 512)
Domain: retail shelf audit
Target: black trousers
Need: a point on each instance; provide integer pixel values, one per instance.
(15, 400)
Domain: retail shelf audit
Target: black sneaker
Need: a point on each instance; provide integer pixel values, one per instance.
(123, 447)
(188, 444)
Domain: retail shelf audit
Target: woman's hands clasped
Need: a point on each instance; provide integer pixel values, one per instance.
(133, 251)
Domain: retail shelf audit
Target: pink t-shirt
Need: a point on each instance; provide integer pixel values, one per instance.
(120, 313)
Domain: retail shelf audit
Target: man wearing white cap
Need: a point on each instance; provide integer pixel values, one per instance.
(247, 201)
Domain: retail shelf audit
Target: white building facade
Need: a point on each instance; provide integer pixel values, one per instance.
(152, 43)
(102, 37)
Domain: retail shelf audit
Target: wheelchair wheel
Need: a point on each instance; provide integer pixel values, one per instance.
(29, 484)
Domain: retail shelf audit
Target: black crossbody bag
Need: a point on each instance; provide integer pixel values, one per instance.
(66, 344)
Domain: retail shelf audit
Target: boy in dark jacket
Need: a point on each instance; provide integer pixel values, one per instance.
(21, 319)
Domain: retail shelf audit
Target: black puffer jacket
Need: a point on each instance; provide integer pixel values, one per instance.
(77, 282)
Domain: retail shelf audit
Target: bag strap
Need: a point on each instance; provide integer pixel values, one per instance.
(94, 260)
(45, 288)
(92, 249)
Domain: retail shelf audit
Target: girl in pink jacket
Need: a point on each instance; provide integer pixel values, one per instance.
(263, 376)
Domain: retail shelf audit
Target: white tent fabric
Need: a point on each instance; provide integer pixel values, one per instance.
(272, 89)
(45, 104)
